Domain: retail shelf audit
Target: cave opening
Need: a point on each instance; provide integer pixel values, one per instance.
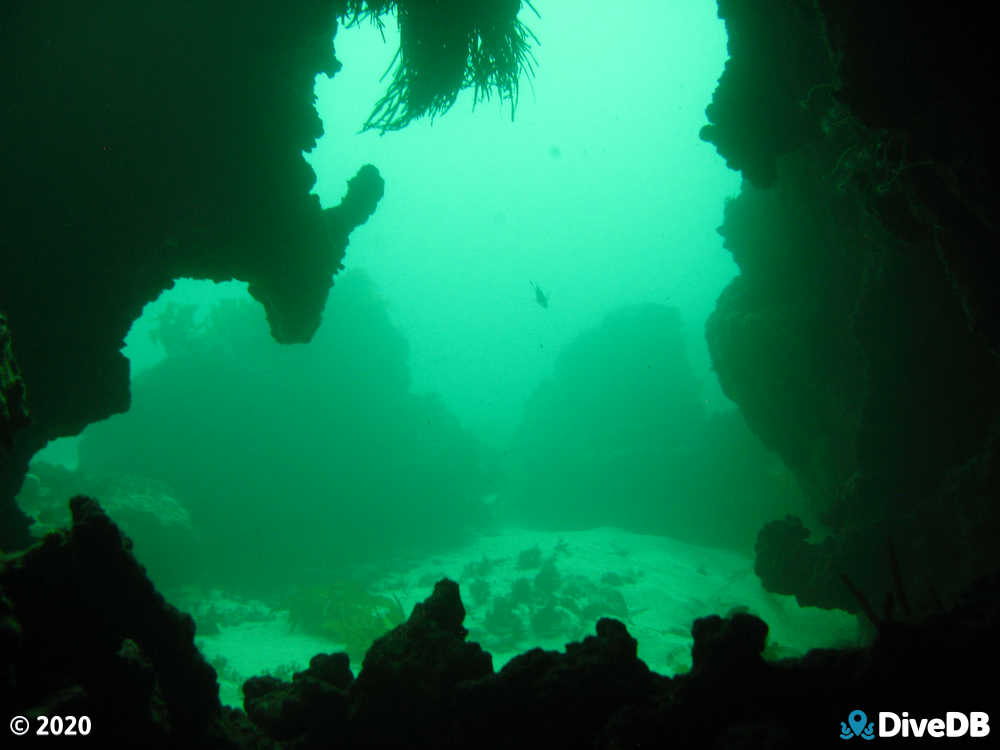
(440, 395)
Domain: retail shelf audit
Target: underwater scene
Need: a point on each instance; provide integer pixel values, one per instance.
(301, 499)
(298, 500)
(480, 373)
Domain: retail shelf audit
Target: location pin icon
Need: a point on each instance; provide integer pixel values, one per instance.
(857, 720)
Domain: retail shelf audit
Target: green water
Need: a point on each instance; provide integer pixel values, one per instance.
(439, 402)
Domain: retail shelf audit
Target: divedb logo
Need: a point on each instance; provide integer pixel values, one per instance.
(954, 724)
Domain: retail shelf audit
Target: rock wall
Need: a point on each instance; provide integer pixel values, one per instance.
(13, 406)
(860, 338)
(148, 142)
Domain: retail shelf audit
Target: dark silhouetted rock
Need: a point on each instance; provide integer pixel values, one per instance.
(93, 637)
(309, 711)
(406, 692)
(116, 194)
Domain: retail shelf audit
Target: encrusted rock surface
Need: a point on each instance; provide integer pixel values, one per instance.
(83, 631)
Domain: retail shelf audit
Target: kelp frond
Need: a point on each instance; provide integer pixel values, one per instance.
(358, 11)
(446, 46)
(498, 56)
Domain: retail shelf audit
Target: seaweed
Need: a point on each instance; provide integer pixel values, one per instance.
(447, 46)
(345, 613)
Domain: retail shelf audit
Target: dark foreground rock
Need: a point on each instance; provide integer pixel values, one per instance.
(84, 632)
(113, 194)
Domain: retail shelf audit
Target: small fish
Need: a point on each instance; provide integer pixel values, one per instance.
(540, 297)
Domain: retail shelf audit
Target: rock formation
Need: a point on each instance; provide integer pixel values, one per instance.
(860, 339)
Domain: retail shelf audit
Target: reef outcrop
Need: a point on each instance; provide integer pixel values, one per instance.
(605, 424)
